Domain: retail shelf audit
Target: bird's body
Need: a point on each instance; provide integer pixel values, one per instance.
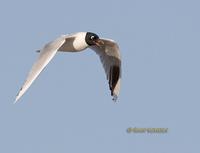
(107, 49)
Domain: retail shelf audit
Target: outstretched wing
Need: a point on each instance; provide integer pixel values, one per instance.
(110, 57)
(46, 54)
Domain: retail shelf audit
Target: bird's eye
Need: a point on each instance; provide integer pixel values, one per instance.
(92, 37)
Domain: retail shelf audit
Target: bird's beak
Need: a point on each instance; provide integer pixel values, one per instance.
(99, 42)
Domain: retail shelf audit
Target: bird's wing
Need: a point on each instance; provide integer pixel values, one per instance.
(110, 57)
(46, 54)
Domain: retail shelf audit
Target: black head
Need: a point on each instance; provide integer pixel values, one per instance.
(93, 39)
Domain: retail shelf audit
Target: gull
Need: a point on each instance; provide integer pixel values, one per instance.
(107, 49)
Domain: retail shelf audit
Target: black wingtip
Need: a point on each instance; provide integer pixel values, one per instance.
(114, 98)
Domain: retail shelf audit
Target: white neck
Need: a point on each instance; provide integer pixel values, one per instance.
(79, 42)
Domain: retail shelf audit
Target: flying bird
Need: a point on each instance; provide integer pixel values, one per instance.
(107, 49)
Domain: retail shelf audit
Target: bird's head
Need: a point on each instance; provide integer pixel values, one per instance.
(93, 39)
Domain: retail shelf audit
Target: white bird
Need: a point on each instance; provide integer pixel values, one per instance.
(107, 49)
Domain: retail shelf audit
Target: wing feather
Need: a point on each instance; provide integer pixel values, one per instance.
(46, 54)
(110, 58)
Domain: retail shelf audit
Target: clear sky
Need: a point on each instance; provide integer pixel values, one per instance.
(69, 107)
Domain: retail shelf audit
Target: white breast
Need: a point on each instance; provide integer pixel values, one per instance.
(79, 42)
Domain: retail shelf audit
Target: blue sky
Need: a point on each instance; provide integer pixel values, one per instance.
(69, 108)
